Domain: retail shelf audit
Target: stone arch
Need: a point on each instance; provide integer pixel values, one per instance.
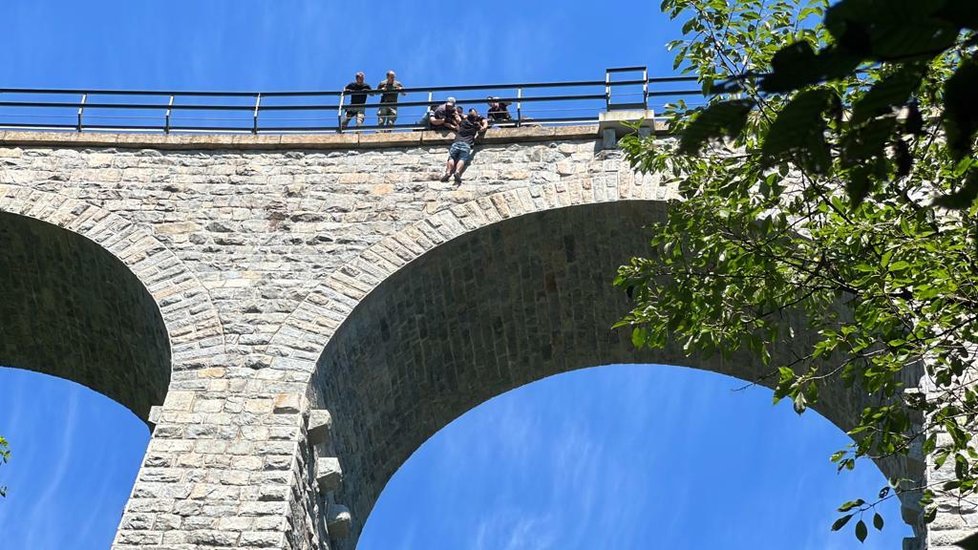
(476, 300)
(49, 229)
(303, 335)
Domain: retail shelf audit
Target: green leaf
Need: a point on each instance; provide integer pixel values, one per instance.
(800, 403)
(792, 67)
(890, 30)
(851, 504)
(878, 521)
(961, 109)
(841, 522)
(796, 66)
(723, 119)
(963, 197)
(858, 187)
(862, 144)
(887, 94)
(639, 336)
(800, 129)
(861, 531)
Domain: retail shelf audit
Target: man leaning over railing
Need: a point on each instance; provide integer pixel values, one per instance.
(387, 113)
(444, 116)
(357, 92)
(498, 111)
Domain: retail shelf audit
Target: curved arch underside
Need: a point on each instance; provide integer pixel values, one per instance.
(489, 311)
(71, 309)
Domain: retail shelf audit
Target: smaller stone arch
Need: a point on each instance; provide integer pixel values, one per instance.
(193, 328)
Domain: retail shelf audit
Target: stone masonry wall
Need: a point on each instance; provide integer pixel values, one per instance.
(256, 250)
(256, 223)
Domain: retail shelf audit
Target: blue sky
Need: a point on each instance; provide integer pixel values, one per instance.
(610, 458)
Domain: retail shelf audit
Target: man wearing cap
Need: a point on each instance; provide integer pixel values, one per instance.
(387, 113)
(444, 116)
(460, 153)
(356, 91)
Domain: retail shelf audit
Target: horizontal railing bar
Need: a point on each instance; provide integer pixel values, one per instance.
(314, 107)
(665, 93)
(35, 125)
(189, 93)
(123, 92)
(459, 101)
(224, 107)
(123, 106)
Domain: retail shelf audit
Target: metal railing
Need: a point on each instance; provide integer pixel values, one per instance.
(540, 103)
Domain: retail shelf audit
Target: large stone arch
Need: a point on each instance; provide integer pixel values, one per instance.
(94, 298)
(475, 301)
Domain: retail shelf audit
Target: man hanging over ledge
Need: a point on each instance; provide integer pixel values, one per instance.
(460, 153)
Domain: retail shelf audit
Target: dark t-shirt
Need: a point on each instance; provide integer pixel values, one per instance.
(355, 98)
(467, 131)
(499, 113)
(444, 113)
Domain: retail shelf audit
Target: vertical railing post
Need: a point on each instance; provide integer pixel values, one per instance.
(645, 88)
(519, 107)
(339, 113)
(81, 110)
(169, 112)
(254, 123)
(607, 90)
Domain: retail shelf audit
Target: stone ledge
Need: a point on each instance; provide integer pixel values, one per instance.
(76, 140)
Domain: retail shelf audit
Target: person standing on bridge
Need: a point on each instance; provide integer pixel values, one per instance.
(356, 91)
(387, 113)
(460, 153)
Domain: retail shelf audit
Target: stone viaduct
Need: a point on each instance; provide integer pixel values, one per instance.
(295, 315)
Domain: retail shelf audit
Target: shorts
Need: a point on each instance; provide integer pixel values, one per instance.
(356, 112)
(387, 115)
(460, 151)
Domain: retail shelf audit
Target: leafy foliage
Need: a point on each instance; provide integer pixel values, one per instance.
(831, 176)
(4, 456)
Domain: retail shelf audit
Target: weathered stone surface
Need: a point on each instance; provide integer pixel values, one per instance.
(320, 424)
(338, 521)
(329, 475)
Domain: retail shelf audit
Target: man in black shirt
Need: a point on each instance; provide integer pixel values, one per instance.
(498, 111)
(356, 92)
(460, 153)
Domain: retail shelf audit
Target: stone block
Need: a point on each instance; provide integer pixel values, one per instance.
(320, 426)
(616, 121)
(329, 475)
(338, 520)
(155, 412)
(287, 403)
